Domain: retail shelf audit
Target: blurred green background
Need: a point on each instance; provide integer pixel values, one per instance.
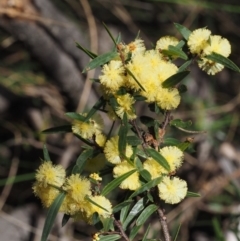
(41, 79)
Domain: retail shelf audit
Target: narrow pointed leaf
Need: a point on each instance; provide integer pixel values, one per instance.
(184, 145)
(124, 212)
(111, 237)
(45, 153)
(223, 60)
(134, 232)
(75, 116)
(146, 233)
(95, 108)
(158, 158)
(116, 182)
(110, 34)
(65, 219)
(86, 51)
(145, 174)
(100, 60)
(122, 142)
(96, 204)
(146, 213)
(180, 44)
(147, 186)
(175, 79)
(180, 123)
(183, 30)
(107, 224)
(176, 235)
(133, 141)
(58, 129)
(137, 208)
(184, 66)
(174, 51)
(193, 194)
(118, 207)
(171, 141)
(51, 215)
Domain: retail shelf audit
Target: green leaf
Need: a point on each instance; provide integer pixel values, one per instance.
(174, 79)
(145, 174)
(223, 60)
(122, 142)
(176, 235)
(174, 51)
(51, 215)
(184, 66)
(86, 51)
(132, 75)
(137, 208)
(118, 207)
(95, 108)
(139, 97)
(146, 233)
(133, 141)
(111, 237)
(45, 153)
(110, 34)
(171, 141)
(193, 194)
(141, 153)
(218, 229)
(180, 123)
(147, 121)
(183, 30)
(107, 224)
(65, 219)
(180, 44)
(75, 116)
(158, 158)
(116, 182)
(184, 145)
(124, 212)
(146, 213)
(147, 186)
(82, 159)
(134, 232)
(100, 60)
(58, 129)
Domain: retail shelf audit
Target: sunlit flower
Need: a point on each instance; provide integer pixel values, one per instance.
(77, 187)
(218, 45)
(125, 106)
(89, 128)
(47, 194)
(132, 182)
(95, 176)
(100, 139)
(198, 40)
(49, 174)
(95, 164)
(101, 201)
(172, 190)
(136, 47)
(173, 155)
(168, 99)
(111, 150)
(165, 41)
(154, 168)
(112, 75)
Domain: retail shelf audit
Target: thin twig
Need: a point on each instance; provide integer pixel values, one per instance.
(119, 226)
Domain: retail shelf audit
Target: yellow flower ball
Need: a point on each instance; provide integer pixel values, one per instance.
(154, 168)
(172, 190)
(132, 182)
(198, 40)
(49, 174)
(164, 42)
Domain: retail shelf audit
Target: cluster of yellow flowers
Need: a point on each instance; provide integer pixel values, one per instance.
(202, 43)
(51, 180)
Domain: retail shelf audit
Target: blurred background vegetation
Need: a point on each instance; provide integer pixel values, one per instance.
(41, 79)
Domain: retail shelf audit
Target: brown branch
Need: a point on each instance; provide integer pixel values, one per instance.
(119, 226)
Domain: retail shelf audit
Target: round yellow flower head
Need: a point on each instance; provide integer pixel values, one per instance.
(111, 150)
(47, 194)
(172, 190)
(103, 202)
(173, 155)
(95, 164)
(77, 187)
(136, 47)
(218, 45)
(88, 129)
(126, 106)
(198, 40)
(168, 99)
(100, 139)
(165, 41)
(132, 182)
(95, 237)
(49, 174)
(113, 75)
(154, 168)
